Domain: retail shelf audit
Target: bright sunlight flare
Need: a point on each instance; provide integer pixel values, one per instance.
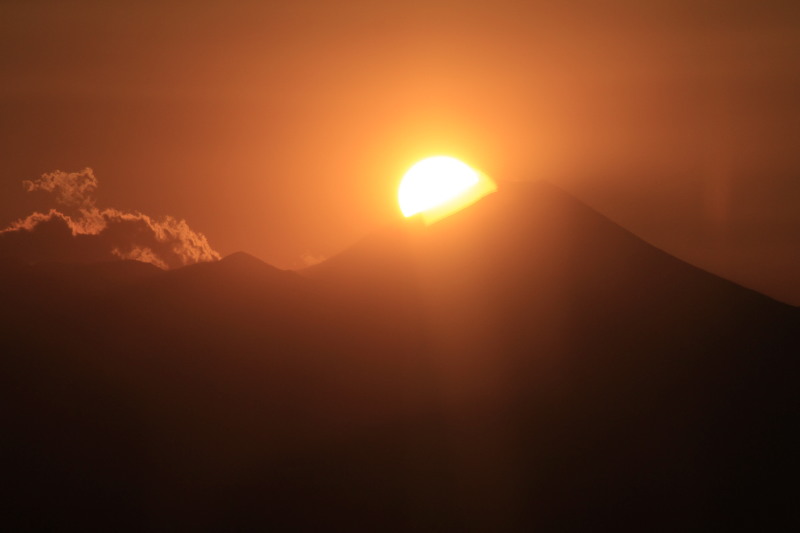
(439, 186)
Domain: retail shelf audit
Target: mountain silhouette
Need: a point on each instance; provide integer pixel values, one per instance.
(541, 303)
(524, 363)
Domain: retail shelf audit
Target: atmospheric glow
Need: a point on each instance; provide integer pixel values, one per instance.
(439, 186)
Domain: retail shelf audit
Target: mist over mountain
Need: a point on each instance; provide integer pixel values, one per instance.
(523, 363)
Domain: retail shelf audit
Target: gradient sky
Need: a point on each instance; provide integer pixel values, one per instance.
(283, 128)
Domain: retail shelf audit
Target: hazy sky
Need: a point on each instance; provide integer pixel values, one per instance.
(282, 128)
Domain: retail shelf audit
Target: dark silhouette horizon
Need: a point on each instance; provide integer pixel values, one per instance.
(524, 363)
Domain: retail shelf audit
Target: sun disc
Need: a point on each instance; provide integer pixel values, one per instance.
(438, 186)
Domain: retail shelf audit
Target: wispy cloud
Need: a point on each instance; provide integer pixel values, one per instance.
(310, 259)
(82, 232)
(71, 189)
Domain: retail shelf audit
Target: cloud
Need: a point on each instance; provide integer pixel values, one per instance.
(310, 259)
(90, 234)
(72, 189)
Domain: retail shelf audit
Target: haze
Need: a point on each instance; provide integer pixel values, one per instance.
(215, 317)
(283, 128)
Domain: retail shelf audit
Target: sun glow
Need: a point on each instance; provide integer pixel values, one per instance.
(439, 186)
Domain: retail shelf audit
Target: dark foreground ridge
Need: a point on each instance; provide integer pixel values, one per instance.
(524, 363)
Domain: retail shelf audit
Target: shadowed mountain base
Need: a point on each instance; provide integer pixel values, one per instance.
(523, 363)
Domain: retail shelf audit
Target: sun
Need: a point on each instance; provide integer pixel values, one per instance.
(439, 186)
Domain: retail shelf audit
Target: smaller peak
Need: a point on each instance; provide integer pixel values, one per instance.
(242, 261)
(241, 258)
(236, 265)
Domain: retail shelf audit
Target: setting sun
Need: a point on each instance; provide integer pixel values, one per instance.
(439, 186)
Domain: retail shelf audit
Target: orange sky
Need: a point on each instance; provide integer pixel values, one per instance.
(283, 128)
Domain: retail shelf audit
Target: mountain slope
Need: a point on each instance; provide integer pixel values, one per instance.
(626, 376)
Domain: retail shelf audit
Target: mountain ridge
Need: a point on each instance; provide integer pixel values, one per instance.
(525, 363)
